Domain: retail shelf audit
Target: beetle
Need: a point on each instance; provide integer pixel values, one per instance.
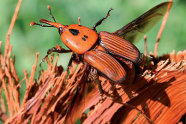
(99, 49)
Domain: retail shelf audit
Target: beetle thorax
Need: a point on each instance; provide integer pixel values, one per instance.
(79, 38)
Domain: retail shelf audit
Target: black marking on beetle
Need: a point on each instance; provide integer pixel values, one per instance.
(74, 31)
(83, 39)
(60, 30)
(80, 25)
(85, 36)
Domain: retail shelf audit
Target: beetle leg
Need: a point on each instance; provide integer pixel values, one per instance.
(73, 58)
(100, 87)
(93, 76)
(52, 50)
(101, 20)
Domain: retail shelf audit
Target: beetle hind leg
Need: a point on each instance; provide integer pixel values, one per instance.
(100, 87)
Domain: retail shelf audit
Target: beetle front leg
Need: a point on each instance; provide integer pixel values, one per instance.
(52, 50)
(75, 58)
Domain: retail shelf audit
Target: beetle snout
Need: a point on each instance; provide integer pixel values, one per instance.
(54, 24)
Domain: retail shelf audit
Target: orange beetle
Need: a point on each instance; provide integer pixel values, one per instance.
(99, 49)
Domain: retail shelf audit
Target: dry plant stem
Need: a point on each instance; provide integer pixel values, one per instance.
(161, 29)
(3, 116)
(30, 82)
(10, 88)
(26, 77)
(79, 21)
(55, 64)
(145, 52)
(31, 79)
(13, 70)
(12, 26)
(3, 108)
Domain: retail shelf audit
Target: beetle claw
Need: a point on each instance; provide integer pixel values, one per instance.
(42, 60)
(40, 63)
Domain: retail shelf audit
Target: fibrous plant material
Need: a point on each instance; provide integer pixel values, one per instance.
(156, 95)
(155, 92)
(161, 29)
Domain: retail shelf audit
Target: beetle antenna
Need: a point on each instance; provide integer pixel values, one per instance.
(50, 12)
(101, 20)
(33, 23)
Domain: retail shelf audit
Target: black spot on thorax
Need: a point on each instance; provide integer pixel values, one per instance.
(74, 31)
(85, 36)
(83, 39)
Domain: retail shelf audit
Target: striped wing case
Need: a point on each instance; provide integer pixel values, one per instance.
(119, 46)
(106, 64)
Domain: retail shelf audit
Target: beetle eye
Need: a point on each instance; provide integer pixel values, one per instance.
(60, 30)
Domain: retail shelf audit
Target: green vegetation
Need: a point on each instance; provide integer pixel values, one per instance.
(28, 40)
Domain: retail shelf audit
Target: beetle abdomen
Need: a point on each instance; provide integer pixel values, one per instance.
(119, 46)
(106, 64)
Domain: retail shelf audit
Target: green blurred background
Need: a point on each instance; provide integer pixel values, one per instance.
(28, 40)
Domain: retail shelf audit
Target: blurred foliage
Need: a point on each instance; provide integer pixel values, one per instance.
(28, 40)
